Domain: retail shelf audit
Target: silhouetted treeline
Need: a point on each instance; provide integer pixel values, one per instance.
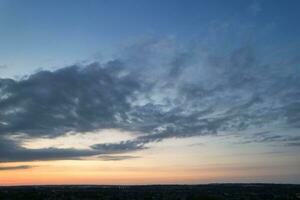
(162, 192)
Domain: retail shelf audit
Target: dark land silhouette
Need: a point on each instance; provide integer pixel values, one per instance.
(154, 192)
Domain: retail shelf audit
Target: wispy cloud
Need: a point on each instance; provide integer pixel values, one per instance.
(255, 8)
(116, 158)
(3, 66)
(15, 167)
(155, 90)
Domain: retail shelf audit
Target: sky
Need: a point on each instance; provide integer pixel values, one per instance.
(149, 92)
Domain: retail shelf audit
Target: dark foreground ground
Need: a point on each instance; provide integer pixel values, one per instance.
(164, 192)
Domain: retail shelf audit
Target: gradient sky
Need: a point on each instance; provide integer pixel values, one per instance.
(149, 92)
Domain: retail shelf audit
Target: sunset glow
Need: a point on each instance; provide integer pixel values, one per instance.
(149, 92)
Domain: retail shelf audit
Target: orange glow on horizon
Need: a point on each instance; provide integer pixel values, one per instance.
(91, 172)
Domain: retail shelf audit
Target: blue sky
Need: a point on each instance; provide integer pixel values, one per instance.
(200, 91)
(45, 34)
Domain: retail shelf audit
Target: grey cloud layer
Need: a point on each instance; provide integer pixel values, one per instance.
(157, 91)
(70, 99)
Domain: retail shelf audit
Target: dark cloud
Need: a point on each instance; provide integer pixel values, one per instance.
(156, 91)
(70, 99)
(122, 147)
(275, 138)
(293, 144)
(15, 167)
(10, 151)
